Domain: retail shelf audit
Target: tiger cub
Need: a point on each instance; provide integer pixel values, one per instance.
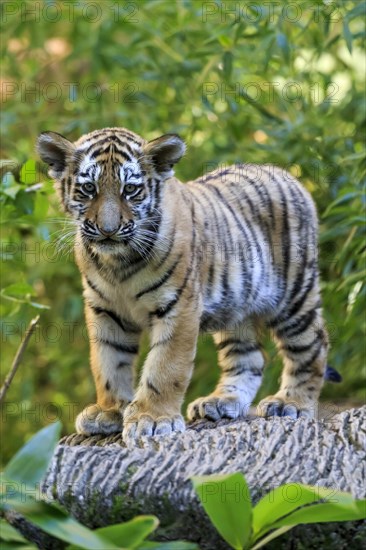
(226, 253)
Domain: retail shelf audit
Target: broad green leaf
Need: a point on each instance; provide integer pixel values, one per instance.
(12, 191)
(287, 498)
(7, 180)
(273, 535)
(325, 512)
(8, 533)
(17, 496)
(174, 545)
(30, 463)
(28, 172)
(18, 289)
(55, 522)
(41, 206)
(131, 533)
(16, 546)
(226, 500)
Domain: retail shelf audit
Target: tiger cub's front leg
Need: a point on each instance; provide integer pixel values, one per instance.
(114, 346)
(156, 409)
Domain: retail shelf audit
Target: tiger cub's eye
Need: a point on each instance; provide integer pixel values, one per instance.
(88, 188)
(130, 188)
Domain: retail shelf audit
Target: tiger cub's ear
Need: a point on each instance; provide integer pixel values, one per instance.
(162, 153)
(55, 150)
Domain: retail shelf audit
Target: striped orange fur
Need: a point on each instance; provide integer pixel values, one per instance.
(228, 253)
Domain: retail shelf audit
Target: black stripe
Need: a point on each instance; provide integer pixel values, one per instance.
(222, 241)
(126, 145)
(63, 186)
(261, 190)
(163, 280)
(296, 326)
(161, 342)
(256, 215)
(235, 342)
(121, 365)
(151, 387)
(95, 288)
(301, 349)
(299, 280)
(167, 253)
(224, 343)
(216, 227)
(123, 324)
(307, 366)
(292, 312)
(237, 370)
(242, 348)
(119, 347)
(296, 306)
(164, 310)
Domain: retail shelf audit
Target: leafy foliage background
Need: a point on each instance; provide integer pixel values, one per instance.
(241, 81)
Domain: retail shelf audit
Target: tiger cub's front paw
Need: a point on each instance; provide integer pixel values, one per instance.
(137, 422)
(282, 405)
(95, 420)
(214, 407)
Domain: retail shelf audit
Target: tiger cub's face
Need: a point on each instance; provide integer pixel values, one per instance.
(110, 181)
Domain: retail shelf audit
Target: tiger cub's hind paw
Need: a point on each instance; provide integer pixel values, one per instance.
(94, 420)
(275, 405)
(214, 407)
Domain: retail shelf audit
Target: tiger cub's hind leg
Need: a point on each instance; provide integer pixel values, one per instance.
(303, 344)
(242, 364)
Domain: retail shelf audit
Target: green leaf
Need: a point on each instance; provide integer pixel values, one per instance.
(226, 500)
(289, 498)
(17, 546)
(28, 172)
(273, 535)
(360, 9)
(131, 533)
(18, 289)
(39, 306)
(41, 206)
(227, 62)
(347, 35)
(17, 496)
(8, 533)
(12, 191)
(69, 530)
(176, 545)
(55, 522)
(326, 512)
(283, 45)
(30, 463)
(279, 502)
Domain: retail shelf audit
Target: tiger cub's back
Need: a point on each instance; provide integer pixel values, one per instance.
(260, 243)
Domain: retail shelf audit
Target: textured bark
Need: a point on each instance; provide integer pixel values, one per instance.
(100, 481)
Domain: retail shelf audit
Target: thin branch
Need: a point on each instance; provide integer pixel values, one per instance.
(18, 357)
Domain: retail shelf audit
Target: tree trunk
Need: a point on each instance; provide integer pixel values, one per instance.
(100, 481)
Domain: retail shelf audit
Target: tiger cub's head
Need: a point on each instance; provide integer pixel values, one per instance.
(110, 182)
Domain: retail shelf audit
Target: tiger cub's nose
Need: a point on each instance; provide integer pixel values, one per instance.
(108, 231)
